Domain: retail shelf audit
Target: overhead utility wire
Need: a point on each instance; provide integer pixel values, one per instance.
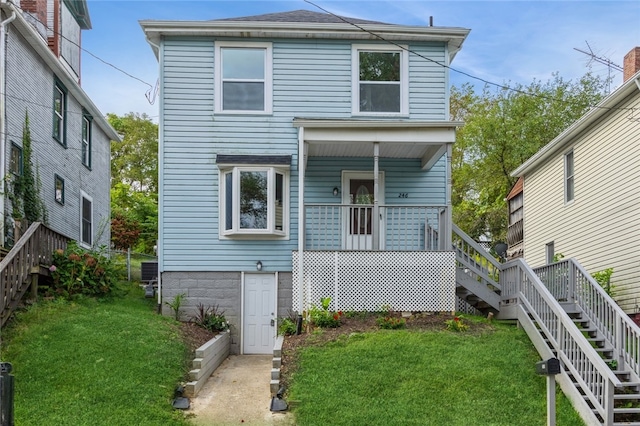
(501, 86)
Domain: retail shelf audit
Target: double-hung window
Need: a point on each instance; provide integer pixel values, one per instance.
(86, 140)
(243, 82)
(86, 219)
(15, 161)
(59, 113)
(568, 177)
(380, 76)
(254, 200)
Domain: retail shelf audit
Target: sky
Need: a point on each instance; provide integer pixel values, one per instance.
(510, 42)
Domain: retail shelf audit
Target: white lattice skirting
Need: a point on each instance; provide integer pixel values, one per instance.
(370, 280)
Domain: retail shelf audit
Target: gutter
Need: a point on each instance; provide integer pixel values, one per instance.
(3, 140)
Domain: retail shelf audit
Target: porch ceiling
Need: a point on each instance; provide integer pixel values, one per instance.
(426, 141)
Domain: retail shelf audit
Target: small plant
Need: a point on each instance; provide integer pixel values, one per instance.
(322, 317)
(287, 327)
(391, 323)
(456, 324)
(176, 303)
(210, 318)
(604, 279)
(613, 364)
(76, 271)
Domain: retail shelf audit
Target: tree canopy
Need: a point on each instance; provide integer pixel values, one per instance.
(134, 183)
(502, 129)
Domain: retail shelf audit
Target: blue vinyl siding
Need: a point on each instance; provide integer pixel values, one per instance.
(311, 79)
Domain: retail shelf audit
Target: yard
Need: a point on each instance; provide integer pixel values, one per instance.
(422, 375)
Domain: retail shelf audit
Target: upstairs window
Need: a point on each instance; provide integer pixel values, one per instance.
(15, 161)
(243, 77)
(380, 80)
(86, 140)
(86, 220)
(254, 200)
(568, 177)
(59, 189)
(59, 113)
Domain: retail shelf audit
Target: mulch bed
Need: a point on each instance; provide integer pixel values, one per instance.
(195, 336)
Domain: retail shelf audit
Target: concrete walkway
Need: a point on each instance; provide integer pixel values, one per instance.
(238, 393)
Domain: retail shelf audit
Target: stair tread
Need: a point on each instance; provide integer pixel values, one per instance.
(621, 396)
(627, 410)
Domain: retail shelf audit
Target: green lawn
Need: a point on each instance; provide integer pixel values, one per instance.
(95, 363)
(424, 378)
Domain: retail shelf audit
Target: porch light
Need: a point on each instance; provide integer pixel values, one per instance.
(259, 265)
(336, 191)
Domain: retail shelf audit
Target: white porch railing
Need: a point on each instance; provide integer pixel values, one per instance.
(588, 369)
(567, 280)
(354, 227)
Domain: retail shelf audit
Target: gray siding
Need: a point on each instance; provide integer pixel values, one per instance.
(32, 92)
(600, 228)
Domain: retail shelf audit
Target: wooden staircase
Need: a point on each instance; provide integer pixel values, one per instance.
(21, 266)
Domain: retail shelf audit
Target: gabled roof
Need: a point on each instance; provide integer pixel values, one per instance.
(303, 24)
(301, 15)
(566, 137)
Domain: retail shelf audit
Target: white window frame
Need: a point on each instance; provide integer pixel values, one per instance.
(83, 196)
(271, 231)
(59, 117)
(569, 179)
(268, 76)
(86, 140)
(355, 77)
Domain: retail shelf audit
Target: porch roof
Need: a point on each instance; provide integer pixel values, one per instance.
(426, 140)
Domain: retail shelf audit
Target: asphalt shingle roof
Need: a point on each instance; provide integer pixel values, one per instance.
(301, 16)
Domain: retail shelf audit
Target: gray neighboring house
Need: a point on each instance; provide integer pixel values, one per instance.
(40, 63)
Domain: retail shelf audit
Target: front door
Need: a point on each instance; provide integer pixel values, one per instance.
(359, 223)
(259, 329)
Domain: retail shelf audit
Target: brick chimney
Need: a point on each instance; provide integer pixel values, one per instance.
(631, 63)
(37, 8)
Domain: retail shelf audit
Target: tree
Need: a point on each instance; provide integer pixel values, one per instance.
(134, 182)
(134, 161)
(502, 129)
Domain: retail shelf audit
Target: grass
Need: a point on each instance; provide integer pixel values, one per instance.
(95, 363)
(424, 378)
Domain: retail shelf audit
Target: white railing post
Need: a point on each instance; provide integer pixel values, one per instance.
(608, 403)
(571, 285)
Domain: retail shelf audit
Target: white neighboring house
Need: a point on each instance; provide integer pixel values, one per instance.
(40, 58)
(580, 191)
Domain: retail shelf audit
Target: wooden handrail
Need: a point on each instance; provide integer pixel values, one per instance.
(33, 249)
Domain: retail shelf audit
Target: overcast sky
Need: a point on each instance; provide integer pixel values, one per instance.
(510, 41)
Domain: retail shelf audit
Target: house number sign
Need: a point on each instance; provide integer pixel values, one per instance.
(403, 195)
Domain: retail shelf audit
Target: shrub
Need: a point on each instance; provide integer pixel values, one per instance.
(77, 271)
(322, 317)
(210, 318)
(287, 327)
(391, 323)
(456, 324)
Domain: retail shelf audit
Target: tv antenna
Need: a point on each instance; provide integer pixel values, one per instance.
(605, 61)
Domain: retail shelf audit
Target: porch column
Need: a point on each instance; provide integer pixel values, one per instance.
(375, 217)
(301, 169)
(448, 229)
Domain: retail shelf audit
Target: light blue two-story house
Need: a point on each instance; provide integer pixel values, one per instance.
(303, 155)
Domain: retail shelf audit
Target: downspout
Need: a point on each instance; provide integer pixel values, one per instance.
(3, 126)
(160, 240)
(376, 202)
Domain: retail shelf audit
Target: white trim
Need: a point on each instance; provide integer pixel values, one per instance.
(270, 232)
(241, 313)
(84, 195)
(347, 175)
(268, 76)
(355, 78)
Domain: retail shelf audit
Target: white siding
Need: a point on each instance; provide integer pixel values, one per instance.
(600, 228)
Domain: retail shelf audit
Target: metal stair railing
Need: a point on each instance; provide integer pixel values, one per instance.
(34, 248)
(577, 355)
(568, 280)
